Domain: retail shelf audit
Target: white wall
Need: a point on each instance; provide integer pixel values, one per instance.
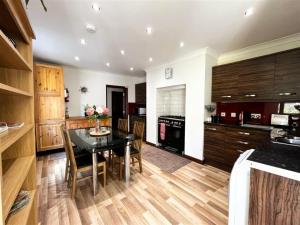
(192, 72)
(96, 83)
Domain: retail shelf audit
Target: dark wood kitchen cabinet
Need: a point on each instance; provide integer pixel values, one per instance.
(287, 75)
(225, 83)
(270, 78)
(223, 145)
(256, 79)
(140, 93)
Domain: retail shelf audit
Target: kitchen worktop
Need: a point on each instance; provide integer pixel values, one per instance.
(277, 155)
(263, 128)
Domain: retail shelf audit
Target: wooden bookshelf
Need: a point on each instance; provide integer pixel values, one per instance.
(17, 145)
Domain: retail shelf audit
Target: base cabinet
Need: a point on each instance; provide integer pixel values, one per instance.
(81, 122)
(223, 145)
(49, 137)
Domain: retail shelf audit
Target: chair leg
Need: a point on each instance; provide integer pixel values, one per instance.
(70, 179)
(133, 163)
(74, 182)
(120, 169)
(140, 163)
(67, 170)
(104, 174)
(109, 157)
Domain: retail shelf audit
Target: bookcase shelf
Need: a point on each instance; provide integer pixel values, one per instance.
(9, 55)
(21, 217)
(8, 90)
(17, 145)
(14, 173)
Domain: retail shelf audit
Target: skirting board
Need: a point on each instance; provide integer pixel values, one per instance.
(184, 156)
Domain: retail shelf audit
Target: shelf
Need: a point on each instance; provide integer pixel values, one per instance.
(8, 90)
(9, 137)
(14, 172)
(9, 55)
(21, 217)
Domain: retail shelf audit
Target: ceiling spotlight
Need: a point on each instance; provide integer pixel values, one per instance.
(82, 41)
(108, 64)
(181, 44)
(149, 30)
(90, 28)
(96, 7)
(131, 68)
(77, 58)
(122, 52)
(249, 12)
(150, 59)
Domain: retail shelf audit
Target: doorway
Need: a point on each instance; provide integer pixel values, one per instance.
(116, 101)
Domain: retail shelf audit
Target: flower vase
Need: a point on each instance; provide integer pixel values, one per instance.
(97, 126)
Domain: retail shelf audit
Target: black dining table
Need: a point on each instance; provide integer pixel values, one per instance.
(84, 141)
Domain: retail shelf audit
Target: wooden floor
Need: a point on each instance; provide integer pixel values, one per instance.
(194, 194)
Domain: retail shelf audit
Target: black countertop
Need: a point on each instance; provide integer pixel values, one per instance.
(237, 126)
(277, 155)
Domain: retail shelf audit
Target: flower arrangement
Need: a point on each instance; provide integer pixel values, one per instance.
(96, 113)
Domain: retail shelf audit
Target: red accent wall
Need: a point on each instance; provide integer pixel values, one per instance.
(264, 108)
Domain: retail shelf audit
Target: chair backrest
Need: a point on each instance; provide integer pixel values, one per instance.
(123, 125)
(138, 131)
(68, 147)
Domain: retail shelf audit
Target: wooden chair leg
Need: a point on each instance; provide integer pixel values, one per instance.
(140, 163)
(109, 157)
(69, 180)
(120, 169)
(133, 163)
(74, 182)
(104, 174)
(67, 170)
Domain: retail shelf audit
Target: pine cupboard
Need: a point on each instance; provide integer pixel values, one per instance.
(268, 78)
(50, 106)
(17, 146)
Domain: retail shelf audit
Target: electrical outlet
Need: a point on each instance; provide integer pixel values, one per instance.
(256, 116)
(233, 114)
(223, 114)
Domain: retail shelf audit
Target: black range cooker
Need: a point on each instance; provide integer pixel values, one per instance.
(171, 132)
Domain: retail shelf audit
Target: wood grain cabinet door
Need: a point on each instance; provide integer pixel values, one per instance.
(256, 79)
(49, 137)
(50, 108)
(49, 80)
(224, 83)
(287, 75)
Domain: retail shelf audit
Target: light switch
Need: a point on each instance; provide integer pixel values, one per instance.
(223, 114)
(233, 114)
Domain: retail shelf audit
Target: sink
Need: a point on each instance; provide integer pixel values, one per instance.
(287, 140)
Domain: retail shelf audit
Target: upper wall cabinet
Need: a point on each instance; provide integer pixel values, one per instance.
(256, 79)
(140, 93)
(287, 75)
(225, 83)
(274, 77)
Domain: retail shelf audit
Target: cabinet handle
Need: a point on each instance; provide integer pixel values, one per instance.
(250, 95)
(286, 93)
(226, 96)
(244, 133)
(240, 151)
(243, 142)
(210, 128)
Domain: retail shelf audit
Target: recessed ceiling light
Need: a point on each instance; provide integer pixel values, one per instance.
(122, 52)
(91, 28)
(131, 68)
(249, 12)
(181, 44)
(96, 7)
(82, 41)
(150, 59)
(77, 58)
(108, 64)
(149, 30)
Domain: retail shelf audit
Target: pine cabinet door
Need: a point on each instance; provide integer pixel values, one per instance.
(49, 80)
(49, 137)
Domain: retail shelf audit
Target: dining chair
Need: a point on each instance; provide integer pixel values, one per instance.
(81, 165)
(123, 125)
(135, 151)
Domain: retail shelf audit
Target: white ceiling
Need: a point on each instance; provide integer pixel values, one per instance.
(219, 24)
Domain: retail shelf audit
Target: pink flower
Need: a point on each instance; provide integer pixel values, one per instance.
(105, 111)
(90, 111)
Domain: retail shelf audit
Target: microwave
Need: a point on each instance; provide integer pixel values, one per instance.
(141, 111)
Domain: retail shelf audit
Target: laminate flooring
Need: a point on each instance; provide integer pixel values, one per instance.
(193, 194)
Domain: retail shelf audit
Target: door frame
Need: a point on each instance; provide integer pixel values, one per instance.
(125, 97)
